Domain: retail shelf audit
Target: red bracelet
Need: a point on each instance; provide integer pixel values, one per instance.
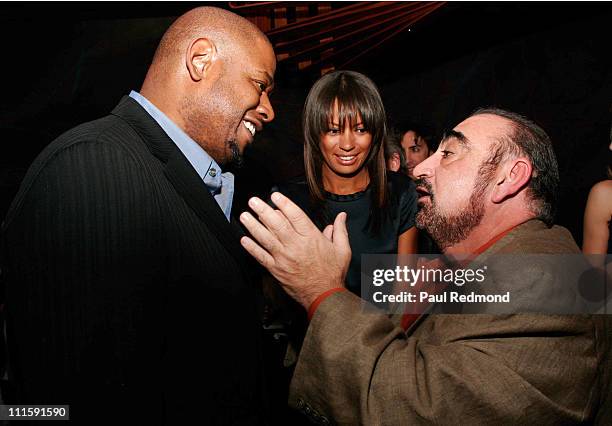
(320, 298)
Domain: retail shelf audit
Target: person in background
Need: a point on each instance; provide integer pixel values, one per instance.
(417, 141)
(344, 126)
(597, 241)
(597, 215)
(395, 157)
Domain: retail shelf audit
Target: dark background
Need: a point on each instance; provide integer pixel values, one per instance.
(66, 63)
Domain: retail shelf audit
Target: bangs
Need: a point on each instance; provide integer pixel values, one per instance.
(346, 97)
(355, 104)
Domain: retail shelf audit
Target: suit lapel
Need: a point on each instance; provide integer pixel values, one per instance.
(181, 175)
(190, 186)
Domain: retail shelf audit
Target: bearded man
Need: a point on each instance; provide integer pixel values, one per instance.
(128, 295)
(489, 189)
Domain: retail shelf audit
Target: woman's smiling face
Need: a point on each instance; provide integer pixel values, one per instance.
(345, 146)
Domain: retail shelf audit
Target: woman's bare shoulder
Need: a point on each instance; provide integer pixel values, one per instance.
(602, 190)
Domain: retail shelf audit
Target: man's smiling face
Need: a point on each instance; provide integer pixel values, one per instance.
(236, 105)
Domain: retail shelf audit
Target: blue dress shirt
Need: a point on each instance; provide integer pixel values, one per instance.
(220, 185)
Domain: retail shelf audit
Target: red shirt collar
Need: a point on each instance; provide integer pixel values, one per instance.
(492, 241)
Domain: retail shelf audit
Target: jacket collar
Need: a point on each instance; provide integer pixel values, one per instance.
(181, 175)
(492, 247)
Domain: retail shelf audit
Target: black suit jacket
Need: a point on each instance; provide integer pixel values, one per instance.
(128, 294)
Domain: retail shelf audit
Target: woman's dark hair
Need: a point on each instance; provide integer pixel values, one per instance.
(357, 97)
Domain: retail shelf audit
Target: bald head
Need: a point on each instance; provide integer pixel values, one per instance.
(229, 32)
(520, 136)
(211, 75)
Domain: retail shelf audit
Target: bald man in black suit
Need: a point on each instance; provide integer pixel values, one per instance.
(128, 294)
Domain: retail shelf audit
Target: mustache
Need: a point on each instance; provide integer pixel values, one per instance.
(424, 183)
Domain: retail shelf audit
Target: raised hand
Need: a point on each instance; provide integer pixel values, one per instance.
(287, 243)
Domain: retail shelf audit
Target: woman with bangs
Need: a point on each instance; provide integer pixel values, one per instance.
(344, 125)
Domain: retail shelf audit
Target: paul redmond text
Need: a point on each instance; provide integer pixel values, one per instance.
(446, 297)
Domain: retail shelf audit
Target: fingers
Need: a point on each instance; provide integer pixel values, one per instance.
(274, 220)
(340, 222)
(257, 252)
(340, 237)
(298, 219)
(263, 236)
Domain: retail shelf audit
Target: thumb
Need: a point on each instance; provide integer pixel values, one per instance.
(328, 232)
(340, 236)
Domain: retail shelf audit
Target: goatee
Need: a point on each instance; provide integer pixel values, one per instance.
(236, 158)
(448, 230)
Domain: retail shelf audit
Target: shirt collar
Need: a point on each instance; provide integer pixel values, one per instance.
(206, 167)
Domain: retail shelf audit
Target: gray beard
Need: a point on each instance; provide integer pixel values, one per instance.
(448, 230)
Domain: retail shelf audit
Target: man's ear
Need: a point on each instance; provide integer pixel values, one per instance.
(513, 177)
(201, 55)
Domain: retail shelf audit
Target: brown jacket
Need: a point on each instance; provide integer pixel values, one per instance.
(359, 368)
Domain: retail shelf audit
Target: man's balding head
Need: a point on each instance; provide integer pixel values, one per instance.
(226, 29)
(492, 171)
(524, 137)
(211, 74)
